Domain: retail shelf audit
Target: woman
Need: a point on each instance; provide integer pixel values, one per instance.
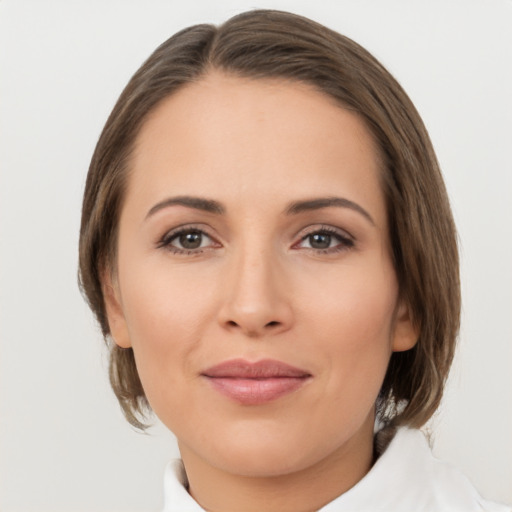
(268, 247)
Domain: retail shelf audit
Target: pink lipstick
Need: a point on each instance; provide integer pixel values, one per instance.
(255, 383)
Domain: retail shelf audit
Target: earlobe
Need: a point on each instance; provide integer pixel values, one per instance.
(115, 314)
(406, 332)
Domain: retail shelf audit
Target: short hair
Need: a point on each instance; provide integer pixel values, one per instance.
(263, 44)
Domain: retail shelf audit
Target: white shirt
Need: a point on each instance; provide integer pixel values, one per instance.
(405, 478)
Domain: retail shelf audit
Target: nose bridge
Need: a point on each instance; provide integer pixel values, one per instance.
(253, 271)
(255, 300)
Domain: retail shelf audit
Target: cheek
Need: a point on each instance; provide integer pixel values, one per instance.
(162, 302)
(356, 305)
(166, 316)
(356, 331)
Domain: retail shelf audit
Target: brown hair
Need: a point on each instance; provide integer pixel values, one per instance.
(274, 44)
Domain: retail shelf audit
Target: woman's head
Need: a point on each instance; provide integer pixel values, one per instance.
(280, 51)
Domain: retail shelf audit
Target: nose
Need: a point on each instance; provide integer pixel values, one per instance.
(257, 300)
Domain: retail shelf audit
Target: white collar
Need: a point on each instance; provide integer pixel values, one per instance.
(405, 478)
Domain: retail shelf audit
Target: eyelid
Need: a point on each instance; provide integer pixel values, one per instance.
(347, 240)
(325, 228)
(165, 240)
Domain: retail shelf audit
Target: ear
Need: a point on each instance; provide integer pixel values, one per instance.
(406, 332)
(115, 315)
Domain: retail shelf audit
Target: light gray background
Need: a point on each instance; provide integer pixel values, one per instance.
(64, 444)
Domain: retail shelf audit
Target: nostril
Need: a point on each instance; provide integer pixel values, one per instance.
(231, 323)
(272, 324)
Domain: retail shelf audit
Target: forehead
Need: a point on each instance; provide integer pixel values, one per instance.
(225, 135)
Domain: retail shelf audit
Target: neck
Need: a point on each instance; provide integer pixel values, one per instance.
(305, 490)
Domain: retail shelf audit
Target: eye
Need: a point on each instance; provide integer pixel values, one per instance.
(320, 240)
(187, 241)
(326, 240)
(190, 240)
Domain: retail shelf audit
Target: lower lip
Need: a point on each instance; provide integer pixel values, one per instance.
(256, 391)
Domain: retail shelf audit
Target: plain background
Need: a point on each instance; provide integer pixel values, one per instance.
(64, 443)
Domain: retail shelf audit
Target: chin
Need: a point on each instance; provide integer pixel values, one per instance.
(261, 461)
(267, 453)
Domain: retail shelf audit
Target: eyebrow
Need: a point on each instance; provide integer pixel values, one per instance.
(295, 208)
(198, 203)
(327, 202)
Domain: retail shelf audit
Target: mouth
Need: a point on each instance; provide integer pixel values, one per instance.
(255, 383)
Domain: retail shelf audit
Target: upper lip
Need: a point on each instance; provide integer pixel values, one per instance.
(264, 369)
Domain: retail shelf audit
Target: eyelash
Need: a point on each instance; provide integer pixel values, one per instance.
(171, 236)
(346, 242)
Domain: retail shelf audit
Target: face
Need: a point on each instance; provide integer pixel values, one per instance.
(254, 279)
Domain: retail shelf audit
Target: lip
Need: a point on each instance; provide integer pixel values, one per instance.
(255, 383)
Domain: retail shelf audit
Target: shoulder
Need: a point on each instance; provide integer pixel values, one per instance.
(407, 477)
(438, 484)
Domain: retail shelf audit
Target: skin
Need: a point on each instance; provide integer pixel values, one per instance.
(258, 287)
